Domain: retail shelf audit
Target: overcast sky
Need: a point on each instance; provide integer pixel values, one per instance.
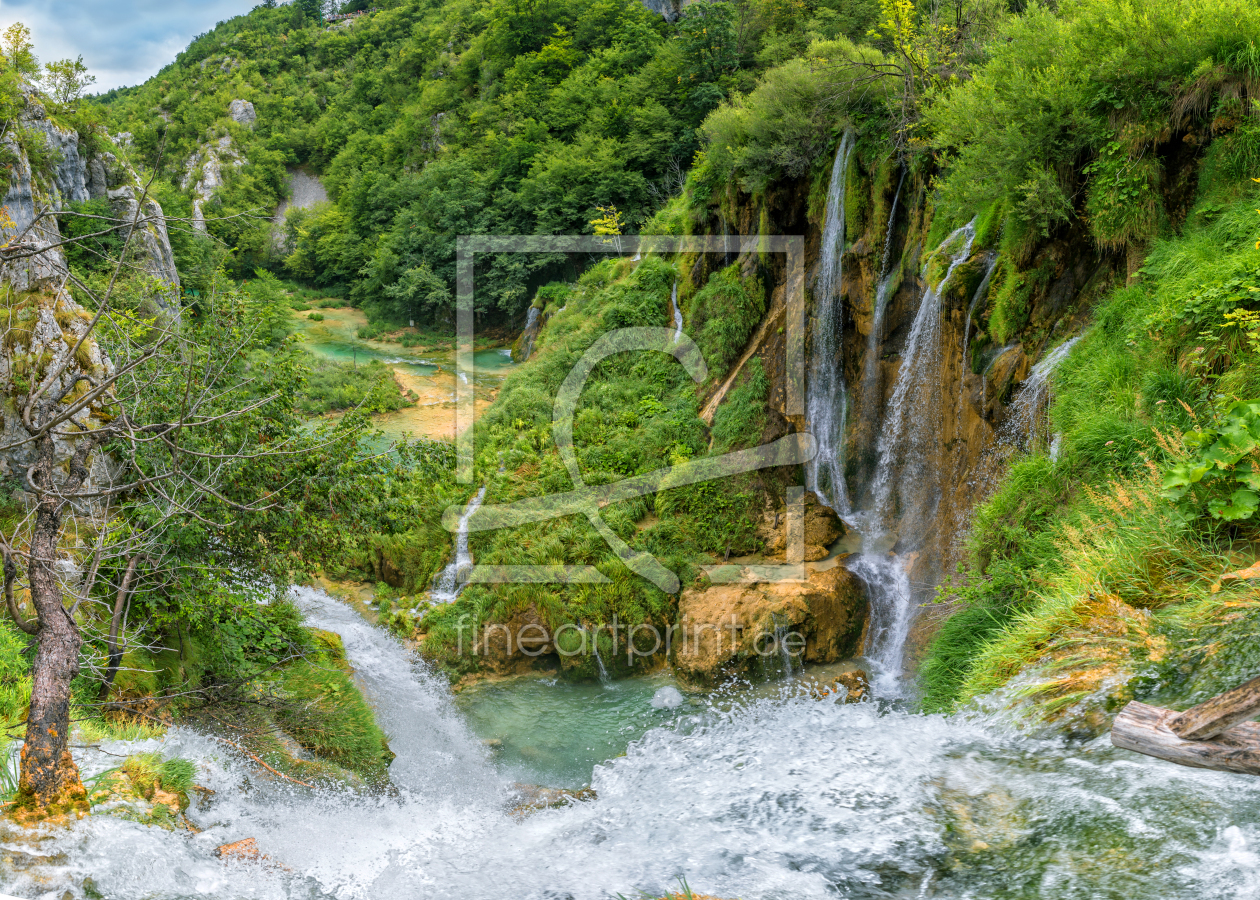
(123, 42)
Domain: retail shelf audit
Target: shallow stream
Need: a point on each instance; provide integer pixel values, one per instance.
(428, 373)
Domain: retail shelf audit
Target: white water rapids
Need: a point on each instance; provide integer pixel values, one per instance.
(783, 797)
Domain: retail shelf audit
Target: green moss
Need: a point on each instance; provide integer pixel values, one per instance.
(857, 201)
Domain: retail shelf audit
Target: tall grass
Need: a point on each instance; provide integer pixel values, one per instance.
(1080, 573)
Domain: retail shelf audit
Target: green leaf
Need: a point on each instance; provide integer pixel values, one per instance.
(1241, 505)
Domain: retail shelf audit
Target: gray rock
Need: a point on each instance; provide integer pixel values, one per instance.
(97, 181)
(242, 111)
(669, 9)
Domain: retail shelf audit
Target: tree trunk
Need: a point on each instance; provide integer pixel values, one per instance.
(50, 779)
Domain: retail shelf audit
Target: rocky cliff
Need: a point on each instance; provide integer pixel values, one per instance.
(50, 168)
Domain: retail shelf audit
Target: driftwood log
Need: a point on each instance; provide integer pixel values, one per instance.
(1150, 730)
(1215, 716)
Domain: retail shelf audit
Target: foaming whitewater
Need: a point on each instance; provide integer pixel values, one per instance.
(450, 581)
(826, 394)
(754, 797)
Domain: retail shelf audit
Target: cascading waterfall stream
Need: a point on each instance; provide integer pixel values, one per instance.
(1028, 408)
(530, 332)
(870, 367)
(982, 291)
(450, 581)
(826, 395)
(888, 232)
(678, 316)
(741, 798)
(903, 492)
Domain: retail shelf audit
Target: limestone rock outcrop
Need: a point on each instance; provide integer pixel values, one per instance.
(242, 111)
(822, 529)
(204, 173)
(731, 630)
(43, 323)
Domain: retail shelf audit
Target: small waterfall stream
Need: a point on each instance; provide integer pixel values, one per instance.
(678, 316)
(870, 367)
(530, 333)
(450, 581)
(1028, 408)
(826, 395)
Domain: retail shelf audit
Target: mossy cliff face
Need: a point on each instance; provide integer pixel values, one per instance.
(1001, 313)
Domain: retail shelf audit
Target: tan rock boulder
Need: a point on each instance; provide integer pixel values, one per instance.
(725, 630)
(822, 529)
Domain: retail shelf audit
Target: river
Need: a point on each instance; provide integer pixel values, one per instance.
(428, 373)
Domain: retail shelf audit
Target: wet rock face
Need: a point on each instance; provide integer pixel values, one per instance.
(727, 630)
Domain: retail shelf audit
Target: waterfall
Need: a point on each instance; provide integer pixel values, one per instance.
(450, 581)
(981, 291)
(977, 298)
(870, 367)
(780, 641)
(826, 397)
(888, 232)
(530, 334)
(678, 319)
(911, 429)
(604, 679)
(905, 489)
(1028, 408)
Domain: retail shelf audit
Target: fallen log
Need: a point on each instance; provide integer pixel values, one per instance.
(1217, 715)
(1147, 729)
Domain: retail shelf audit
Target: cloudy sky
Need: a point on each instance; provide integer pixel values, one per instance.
(122, 42)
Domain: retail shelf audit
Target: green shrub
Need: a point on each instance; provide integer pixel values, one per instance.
(1223, 473)
(723, 316)
(335, 386)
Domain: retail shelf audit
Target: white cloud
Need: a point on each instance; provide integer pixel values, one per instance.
(123, 42)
